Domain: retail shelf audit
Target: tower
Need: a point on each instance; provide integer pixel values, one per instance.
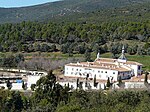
(122, 58)
(98, 55)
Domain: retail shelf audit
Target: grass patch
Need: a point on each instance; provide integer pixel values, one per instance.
(145, 60)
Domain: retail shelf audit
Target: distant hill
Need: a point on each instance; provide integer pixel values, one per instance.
(59, 9)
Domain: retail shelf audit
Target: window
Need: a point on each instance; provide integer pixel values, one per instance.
(72, 69)
(139, 67)
(101, 71)
(105, 71)
(77, 69)
(80, 69)
(98, 71)
(71, 72)
(113, 72)
(80, 74)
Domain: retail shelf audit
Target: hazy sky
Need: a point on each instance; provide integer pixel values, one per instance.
(20, 3)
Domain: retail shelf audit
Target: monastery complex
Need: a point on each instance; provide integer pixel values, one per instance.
(103, 68)
(84, 75)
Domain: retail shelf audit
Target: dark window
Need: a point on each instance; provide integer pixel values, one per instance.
(139, 67)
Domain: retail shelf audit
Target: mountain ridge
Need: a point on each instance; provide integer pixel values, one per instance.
(48, 11)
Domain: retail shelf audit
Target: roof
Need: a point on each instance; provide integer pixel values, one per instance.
(97, 65)
(106, 63)
(74, 79)
(133, 63)
(106, 60)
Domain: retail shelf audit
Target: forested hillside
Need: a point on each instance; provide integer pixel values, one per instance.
(76, 37)
(88, 31)
(65, 8)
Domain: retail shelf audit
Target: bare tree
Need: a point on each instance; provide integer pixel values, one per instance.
(41, 63)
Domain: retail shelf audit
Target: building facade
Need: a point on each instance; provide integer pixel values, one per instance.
(18, 76)
(104, 68)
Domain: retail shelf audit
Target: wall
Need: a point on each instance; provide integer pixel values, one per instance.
(90, 86)
(136, 71)
(125, 75)
(32, 80)
(134, 85)
(83, 71)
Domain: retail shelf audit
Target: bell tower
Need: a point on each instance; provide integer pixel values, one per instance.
(122, 58)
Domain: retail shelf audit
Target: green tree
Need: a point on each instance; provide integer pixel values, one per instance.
(33, 86)
(148, 51)
(17, 103)
(49, 92)
(87, 55)
(119, 80)
(19, 57)
(108, 83)
(95, 84)
(146, 77)
(9, 84)
(77, 82)
(24, 85)
(13, 102)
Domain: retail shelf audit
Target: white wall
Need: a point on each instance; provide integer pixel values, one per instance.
(32, 80)
(83, 71)
(18, 86)
(90, 85)
(74, 71)
(134, 85)
(135, 68)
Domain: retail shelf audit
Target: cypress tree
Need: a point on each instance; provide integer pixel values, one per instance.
(146, 77)
(23, 85)
(119, 80)
(108, 82)
(77, 82)
(9, 85)
(95, 81)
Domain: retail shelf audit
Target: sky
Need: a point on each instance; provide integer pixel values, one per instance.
(22, 3)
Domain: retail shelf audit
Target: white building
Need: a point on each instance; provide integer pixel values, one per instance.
(17, 76)
(103, 68)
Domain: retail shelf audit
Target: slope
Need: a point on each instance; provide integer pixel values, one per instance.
(60, 9)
